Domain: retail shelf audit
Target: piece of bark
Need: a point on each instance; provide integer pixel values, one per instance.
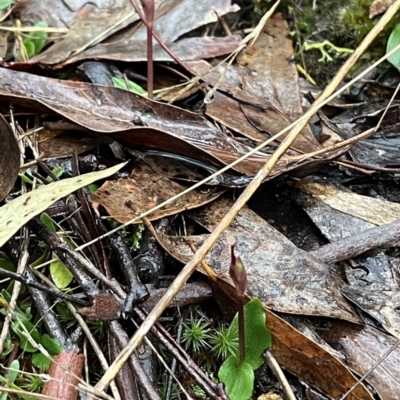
(65, 373)
(383, 235)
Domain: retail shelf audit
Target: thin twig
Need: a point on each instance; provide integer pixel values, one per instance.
(276, 369)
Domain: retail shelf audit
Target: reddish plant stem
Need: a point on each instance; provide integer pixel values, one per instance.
(242, 341)
(159, 40)
(148, 8)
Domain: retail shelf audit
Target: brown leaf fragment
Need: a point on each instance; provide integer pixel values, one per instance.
(187, 49)
(373, 210)
(9, 158)
(64, 144)
(227, 111)
(146, 189)
(383, 305)
(268, 73)
(363, 348)
(65, 374)
(379, 7)
(106, 307)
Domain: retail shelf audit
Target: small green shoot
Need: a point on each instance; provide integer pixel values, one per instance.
(35, 41)
(394, 41)
(126, 84)
(237, 371)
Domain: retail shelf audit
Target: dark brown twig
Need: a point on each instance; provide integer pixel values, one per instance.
(146, 385)
(137, 292)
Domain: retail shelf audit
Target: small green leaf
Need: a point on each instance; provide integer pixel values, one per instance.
(58, 171)
(40, 361)
(60, 274)
(13, 372)
(20, 331)
(120, 83)
(48, 222)
(7, 264)
(25, 178)
(238, 379)
(93, 188)
(51, 345)
(5, 3)
(135, 88)
(393, 41)
(257, 336)
(35, 41)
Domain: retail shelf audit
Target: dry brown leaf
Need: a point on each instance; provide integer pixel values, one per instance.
(146, 189)
(379, 7)
(363, 348)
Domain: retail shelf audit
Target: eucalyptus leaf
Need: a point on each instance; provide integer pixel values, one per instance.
(238, 378)
(393, 41)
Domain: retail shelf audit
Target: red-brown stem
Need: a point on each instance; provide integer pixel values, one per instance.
(159, 40)
(148, 8)
(242, 342)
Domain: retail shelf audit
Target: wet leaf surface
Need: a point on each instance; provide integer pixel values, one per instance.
(362, 207)
(188, 49)
(88, 23)
(146, 189)
(9, 158)
(267, 74)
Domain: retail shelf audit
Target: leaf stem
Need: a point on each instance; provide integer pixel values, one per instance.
(242, 341)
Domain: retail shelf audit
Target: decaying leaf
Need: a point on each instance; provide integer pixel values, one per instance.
(18, 212)
(146, 189)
